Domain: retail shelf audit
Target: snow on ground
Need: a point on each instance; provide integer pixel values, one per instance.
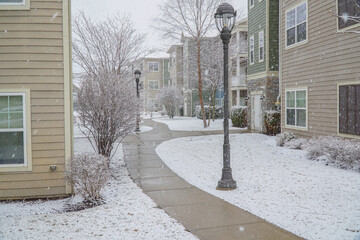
(144, 129)
(192, 124)
(152, 116)
(278, 184)
(128, 214)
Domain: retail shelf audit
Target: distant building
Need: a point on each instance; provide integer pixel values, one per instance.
(211, 50)
(263, 60)
(155, 75)
(320, 68)
(238, 54)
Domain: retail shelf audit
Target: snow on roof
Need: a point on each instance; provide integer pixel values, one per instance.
(158, 55)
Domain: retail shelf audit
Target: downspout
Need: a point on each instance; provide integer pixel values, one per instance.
(278, 99)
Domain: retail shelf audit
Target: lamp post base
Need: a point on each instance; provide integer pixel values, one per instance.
(227, 182)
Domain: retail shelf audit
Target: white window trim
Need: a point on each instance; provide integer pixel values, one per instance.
(153, 81)
(27, 166)
(307, 25)
(307, 109)
(338, 112)
(153, 63)
(24, 5)
(262, 60)
(251, 6)
(252, 38)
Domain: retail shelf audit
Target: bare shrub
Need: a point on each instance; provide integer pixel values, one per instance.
(107, 110)
(343, 153)
(283, 138)
(88, 173)
(171, 98)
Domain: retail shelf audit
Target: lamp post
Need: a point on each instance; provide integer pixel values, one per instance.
(137, 78)
(225, 22)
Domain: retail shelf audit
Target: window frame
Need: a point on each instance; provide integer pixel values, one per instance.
(253, 4)
(295, 108)
(27, 165)
(263, 46)
(24, 5)
(339, 18)
(294, 7)
(152, 70)
(253, 49)
(153, 81)
(338, 109)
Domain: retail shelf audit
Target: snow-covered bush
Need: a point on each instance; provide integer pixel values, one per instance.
(296, 143)
(218, 114)
(272, 121)
(283, 138)
(171, 98)
(88, 173)
(162, 112)
(239, 116)
(107, 110)
(343, 153)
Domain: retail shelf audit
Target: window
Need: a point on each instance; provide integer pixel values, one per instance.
(14, 4)
(252, 3)
(296, 28)
(349, 109)
(261, 46)
(154, 66)
(12, 130)
(153, 84)
(346, 9)
(296, 109)
(251, 50)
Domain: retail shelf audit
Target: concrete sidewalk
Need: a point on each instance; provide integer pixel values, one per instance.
(203, 214)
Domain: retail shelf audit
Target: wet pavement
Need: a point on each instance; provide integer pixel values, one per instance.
(203, 214)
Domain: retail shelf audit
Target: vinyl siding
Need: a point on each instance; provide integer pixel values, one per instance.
(328, 58)
(273, 36)
(31, 47)
(257, 23)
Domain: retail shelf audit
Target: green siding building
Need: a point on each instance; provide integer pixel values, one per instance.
(263, 60)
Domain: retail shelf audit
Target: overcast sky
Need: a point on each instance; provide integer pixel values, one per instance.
(142, 12)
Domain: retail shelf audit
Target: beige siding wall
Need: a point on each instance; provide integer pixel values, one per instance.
(328, 58)
(31, 56)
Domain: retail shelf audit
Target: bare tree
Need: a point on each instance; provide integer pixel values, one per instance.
(191, 17)
(107, 110)
(213, 63)
(111, 45)
(107, 103)
(171, 98)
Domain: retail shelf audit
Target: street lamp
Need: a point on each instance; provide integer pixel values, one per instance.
(225, 22)
(137, 74)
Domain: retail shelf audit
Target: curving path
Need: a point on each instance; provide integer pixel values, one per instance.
(203, 214)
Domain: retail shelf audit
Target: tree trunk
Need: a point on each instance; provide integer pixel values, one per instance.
(200, 83)
(213, 113)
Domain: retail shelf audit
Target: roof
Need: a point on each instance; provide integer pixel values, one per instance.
(158, 55)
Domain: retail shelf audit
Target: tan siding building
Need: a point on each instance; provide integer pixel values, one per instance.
(317, 59)
(35, 98)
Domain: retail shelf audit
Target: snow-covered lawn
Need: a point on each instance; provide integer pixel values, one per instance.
(127, 214)
(192, 124)
(278, 184)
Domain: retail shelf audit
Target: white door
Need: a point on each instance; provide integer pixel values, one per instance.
(256, 112)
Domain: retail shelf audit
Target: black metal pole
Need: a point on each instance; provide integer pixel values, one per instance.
(226, 182)
(138, 114)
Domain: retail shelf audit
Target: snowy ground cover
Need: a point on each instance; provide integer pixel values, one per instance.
(192, 124)
(278, 184)
(127, 214)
